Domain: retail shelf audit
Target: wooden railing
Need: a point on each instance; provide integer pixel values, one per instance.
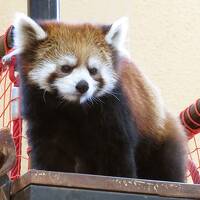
(43, 185)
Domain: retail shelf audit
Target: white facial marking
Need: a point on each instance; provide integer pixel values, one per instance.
(110, 79)
(107, 73)
(40, 74)
(70, 60)
(94, 62)
(66, 86)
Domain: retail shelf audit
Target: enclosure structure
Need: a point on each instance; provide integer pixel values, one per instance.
(10, 116)
(27, 185)
(51, 185)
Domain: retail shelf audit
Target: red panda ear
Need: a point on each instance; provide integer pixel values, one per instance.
(117, 33)
(26, 31)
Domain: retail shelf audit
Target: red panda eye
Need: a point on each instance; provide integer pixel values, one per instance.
(93, 71)
(66, 68)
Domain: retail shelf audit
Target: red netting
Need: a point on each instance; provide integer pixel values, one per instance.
(10, 117)
(194, 160)
(10, 108)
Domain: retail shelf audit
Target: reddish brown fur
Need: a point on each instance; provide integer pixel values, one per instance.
(80, 40)
(143, 104)
(76, 39)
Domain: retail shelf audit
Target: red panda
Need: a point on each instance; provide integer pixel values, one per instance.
(88, 108)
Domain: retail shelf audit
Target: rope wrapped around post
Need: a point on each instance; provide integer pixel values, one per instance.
(190, 118)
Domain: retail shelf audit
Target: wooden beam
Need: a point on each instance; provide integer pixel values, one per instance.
(102, 183)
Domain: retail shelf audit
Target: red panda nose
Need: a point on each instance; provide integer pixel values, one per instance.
(82, 86)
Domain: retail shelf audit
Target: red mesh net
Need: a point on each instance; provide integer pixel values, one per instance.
(194, 160)
(10, 112)
(10, 117)
(190, 118)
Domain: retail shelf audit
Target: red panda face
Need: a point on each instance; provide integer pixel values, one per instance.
(78, 61)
